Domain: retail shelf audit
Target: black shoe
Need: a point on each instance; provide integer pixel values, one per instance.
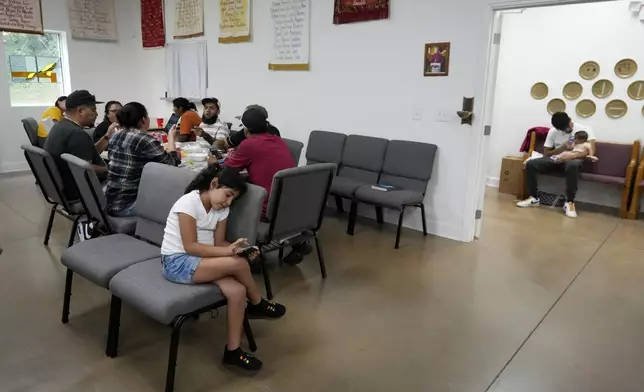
(303, 248)
(266, 310)
(241, 359)
(294, 258)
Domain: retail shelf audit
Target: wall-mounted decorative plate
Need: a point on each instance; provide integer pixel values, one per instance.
(556, 105)
(616, 108)
(589, 70)
(573, 90)
(625, 68)
(586, 108)
(539, 90)
(636, 90)
(602, 88)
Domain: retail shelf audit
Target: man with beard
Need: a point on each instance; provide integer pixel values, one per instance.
(212, 128)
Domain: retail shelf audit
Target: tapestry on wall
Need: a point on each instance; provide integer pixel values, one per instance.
(234, 21)
(188, 19)
(152, 24)
(22, 16)
(92, 19)
(349, 11)
(291, 31)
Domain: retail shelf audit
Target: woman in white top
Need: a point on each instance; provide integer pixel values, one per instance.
(195, 250)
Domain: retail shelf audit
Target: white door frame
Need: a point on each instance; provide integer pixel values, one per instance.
(475, 199)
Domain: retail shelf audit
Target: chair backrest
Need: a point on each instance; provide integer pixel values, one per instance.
(325, 147)
(296, 149)
(408, 165)
(614, 159)
(363, 157)
(89, 188)
(31, 128)
(245, 214)
(298, 199)
(44, 168)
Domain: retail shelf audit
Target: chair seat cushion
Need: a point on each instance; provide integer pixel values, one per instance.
(391, 199)
(344, 186)
(99, 259)
(143, 286)
(603, 179)
(123, 225)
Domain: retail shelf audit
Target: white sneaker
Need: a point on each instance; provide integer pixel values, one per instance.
(529, 202)
(571, 212)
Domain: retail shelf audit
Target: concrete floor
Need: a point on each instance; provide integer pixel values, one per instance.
(540, 303)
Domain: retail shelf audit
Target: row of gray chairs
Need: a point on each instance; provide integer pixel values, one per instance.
(365, 162)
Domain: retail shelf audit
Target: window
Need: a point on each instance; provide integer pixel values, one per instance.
(35, 65)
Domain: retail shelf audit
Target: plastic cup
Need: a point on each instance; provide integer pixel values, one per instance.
(159, 122)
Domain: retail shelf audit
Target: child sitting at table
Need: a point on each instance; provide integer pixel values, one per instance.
(195, 250)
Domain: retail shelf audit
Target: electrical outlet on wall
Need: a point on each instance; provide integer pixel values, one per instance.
(442, 115)
(417, 114)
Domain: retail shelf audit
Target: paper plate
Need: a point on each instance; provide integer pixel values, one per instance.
(625, 68)
(589, 70)
(539, 90)
(573, 90)
(636, 90)
(616, 108)
(602, 88)
(586, 108)
(556, 105)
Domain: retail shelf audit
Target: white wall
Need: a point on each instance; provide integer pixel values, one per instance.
(549, 45)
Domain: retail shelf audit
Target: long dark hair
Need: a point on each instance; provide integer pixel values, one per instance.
(107, 109)
(131, 115)
(184, 104)
(59, 100)
(225, 176)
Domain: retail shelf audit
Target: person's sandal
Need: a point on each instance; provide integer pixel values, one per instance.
(241, 359)
(265, 310)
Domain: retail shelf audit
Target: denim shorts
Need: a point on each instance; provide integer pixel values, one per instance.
(179, 267)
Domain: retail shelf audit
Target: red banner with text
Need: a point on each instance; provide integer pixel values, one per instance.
(349, 11)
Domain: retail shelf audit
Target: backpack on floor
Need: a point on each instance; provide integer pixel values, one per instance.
(551, 200)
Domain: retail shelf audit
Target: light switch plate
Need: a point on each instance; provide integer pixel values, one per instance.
(442, 116)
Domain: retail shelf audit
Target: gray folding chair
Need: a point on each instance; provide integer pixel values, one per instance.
(93, 198)
(295, 211)
(31, 129)
(325, 147)
(296, 149)
(408, 167)
(48, 178)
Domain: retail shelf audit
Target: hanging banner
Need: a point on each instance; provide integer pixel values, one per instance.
(234, 21)
(188, 19)
(21, 16)
(349, 11)
(152, 24)
(291, 31)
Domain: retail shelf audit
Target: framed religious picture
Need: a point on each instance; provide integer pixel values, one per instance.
(437, 59)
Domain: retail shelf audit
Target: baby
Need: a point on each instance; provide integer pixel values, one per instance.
(581, 149)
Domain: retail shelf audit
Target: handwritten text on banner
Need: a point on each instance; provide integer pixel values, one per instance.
(93, 19)
(23, 16)
(291, 30)
(234, 20)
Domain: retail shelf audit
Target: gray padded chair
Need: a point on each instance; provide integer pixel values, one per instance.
(93, 198)
(325, 147)
(143, 286)
(48, 178)
(31, 128)
(295, 211)
(408, 166)
(296, 149)
(362, 160)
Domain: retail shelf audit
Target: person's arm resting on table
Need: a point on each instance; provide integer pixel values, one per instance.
(188, 228)
(241, 159)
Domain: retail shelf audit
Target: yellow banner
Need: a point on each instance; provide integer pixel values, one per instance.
(234, 21)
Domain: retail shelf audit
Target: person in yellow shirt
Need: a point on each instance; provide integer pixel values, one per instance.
(48, 118)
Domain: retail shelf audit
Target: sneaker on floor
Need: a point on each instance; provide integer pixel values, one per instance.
(529, 202)
(571, 212)
(265, 310)
(241, 359)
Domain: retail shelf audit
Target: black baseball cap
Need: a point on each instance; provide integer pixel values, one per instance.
(210, 100)
(80, 98)
(254, 120)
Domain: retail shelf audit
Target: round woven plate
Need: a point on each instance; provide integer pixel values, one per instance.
(573, 90)
(616, 108)
(625, 68)
(602, 88)
(586, 108)
(556, 105)
(539, 90)
(589, 70)
(636, 90)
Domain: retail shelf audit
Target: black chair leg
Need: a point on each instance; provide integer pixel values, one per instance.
(281, 255)
(111, 349)
(422, 211)
(400, 222)
(267, 279)
(379, 217)
(72, 235)
(249, 335)
(320, 257)
(339, 205)
(352, 217)
(68, 295)
(50, 224)
(174, 350)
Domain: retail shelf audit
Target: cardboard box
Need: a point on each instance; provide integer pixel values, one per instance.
(511, 178)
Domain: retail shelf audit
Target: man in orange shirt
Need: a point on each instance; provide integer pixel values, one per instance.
(188, 119)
